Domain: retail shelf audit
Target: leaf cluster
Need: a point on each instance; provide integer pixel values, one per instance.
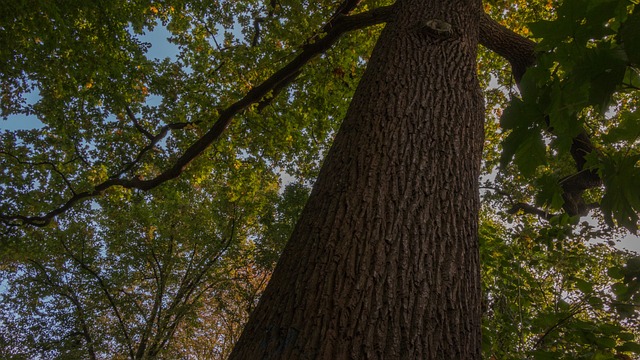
(576, 115)
(549, 294)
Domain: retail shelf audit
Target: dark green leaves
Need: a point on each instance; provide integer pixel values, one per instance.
(524, 142)
(627, 131)
(550, 192)
(585, 75)
(551, 302)
(621, 201)
(603, 69)
(627, 290)
(629, 347)
(580, 21)
(630, 39)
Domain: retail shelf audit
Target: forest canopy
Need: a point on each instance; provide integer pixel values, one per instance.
(145, 201)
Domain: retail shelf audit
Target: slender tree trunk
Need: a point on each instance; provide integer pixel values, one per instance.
(383, 263)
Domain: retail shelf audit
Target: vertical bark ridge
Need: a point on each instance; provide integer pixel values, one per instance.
(383, 263)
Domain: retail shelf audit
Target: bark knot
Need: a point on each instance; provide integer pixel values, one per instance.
(436, 27)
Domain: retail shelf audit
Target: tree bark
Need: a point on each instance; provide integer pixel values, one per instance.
(383, 263)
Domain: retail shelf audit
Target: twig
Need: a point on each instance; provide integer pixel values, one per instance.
(137, 125)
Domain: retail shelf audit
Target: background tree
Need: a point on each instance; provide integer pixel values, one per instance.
(548, 295)
(113, 120)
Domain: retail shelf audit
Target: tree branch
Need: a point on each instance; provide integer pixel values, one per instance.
(102, 285)
(560, 322)
(66, 292)
(168, 319)
(137, 125)
(53, 166)
(516, 49)
(334, 29)
(530, 209)
(154, 141)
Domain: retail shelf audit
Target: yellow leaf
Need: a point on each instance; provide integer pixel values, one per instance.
(151, 232)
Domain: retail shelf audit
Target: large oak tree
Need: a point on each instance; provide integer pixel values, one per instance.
(384, 259)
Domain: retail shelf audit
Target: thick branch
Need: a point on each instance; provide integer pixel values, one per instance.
(336, 27)
(530, 209)
(345, 9)
(516, 49)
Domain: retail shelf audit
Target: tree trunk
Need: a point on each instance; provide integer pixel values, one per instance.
(383, 263)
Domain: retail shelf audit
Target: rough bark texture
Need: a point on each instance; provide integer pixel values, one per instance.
(383, 263)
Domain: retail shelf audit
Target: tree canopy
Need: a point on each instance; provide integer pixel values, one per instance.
(144, 201)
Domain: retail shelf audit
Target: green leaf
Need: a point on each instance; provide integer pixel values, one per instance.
(606, 342)
(621, 201)
(615, 272)
(519, 114)
(596, 22)
(604, 68)
(531, 153)
(545, 355)
(596, 302)
(619, 289)
(549, 192)
(629, 33)
(626, 336)
(627, 130)
(532, 83)
(632, 78)
(633, 347)
(524, 142)
(551, 32)
(584, 286)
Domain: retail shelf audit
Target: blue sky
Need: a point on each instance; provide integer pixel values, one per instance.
(160, 49)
